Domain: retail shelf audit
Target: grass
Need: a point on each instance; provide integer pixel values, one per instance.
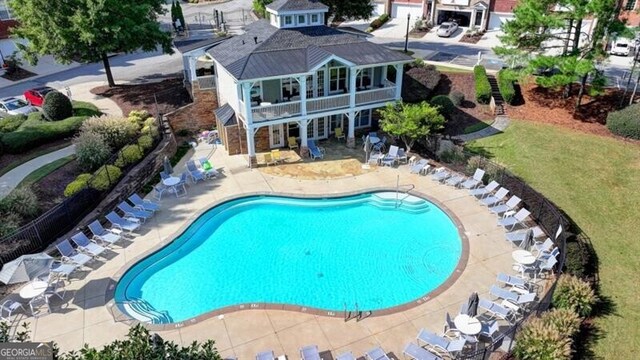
(32, 156)
(475, 127)
(40, 173)
(451, 69)
(596, 181)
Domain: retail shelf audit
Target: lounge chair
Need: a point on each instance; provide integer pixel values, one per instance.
(402, 156)
(440, 344)
(143, 204)
(392, 156)
(70, 254)
(510, 205)
(315, 151)
(195, 173)
(265, 355)
(484, 191)
(129, 211)
(339, 134)
(60, 269)
(346, 356)
(377, 354)
(513, 281)
(475, 181)
(538, 268)
(207, 168)
(500, 293)
(268, 159)
(455, 180)
(496, 198)
(293, 143)
(310, 353)
(87, 245)
(122, 224)
(514, 220)
(497, 310)
(416, 168)
(440, 174)
(521, 235)
(415, 352)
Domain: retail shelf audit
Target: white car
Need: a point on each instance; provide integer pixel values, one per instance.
(620, 47)
(446, 29)
(15, 106)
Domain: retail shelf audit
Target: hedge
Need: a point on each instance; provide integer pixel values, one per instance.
(129, 154)
(57, 106)
(445, 104)
(379, 21)
(625, 122)
(11, 123)
(76, 185)
(505, 84)
(145, 142)
(105, 177)
(35, 132)
(483, 88)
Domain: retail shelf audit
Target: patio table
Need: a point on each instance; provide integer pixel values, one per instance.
(523, 257)
(33, 289)
(374, 139)
(171, 181)
(467, 324)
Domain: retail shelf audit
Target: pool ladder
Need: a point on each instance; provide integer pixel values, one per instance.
(357, 314)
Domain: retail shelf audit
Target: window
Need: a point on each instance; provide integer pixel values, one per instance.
(302, 19)
(363, 118)
(288, 20)
(631, 4)
(337, 79)
(290, 88)
(336, 122)
(314, 18)
(5, 13)
(364, 78)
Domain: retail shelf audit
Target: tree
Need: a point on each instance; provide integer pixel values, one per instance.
(173, 13)
(260, 7)
(88, 30)
(352, 9)
(180, 16)
(410, 122)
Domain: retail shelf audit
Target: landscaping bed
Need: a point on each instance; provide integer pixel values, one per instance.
(50, 189)
(170, 95)
(10, 161)
(18, 74)
(471, 38)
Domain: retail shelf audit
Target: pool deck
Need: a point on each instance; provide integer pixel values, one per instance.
(82, 316)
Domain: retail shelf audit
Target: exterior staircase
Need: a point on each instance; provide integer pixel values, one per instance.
(497, 97)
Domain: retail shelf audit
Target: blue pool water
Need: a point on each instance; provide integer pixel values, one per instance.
(321, 253)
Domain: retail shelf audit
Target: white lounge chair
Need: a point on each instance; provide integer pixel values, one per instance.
(510, 205)
(497, 310)
(266, 355)
(416, 168)
(513, 281)
(484, 191)
(62, 270)
(496, 198)
(440, 174)
(455, 180)
(87, 245)
(377, 354)
(106, 237)
(440, 344)
(516, 219)
(521, 235)
(475, 181)
(71, 255)
(346, 356)
(143, 204)
(310, 353)
(128, 224)
(415, 352)
(392, 156)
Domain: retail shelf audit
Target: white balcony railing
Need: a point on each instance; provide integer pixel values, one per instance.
(207, 82)
(375, 95)
(327, 103)
(268, 112)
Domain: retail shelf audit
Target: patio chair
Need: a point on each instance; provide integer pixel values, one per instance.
(268, 159)
(455, 181)
(87, 245)
(538, 268)
(181, 185)
(440, 344)
(143, 204)
(496, 198)
(392, 156)
(497, 310)
(377, 354)
(521, 235)
(122, 224)
(484, 191)
(346, 356)
(415, 352)
(514, 220)
(38, 302)
(380, 145)
(510, 205)
(195, 173)
(315, 151)
(489, 330)
(543, 255)
(339, 134)
(164, 175)
(62, 270)
(416, 168)
(310, 352)
(513, 281)
(8, 308)
(207, 168)
(265, 355)
(70, 254)
(293, 143)
(402, 156)
(475, 181)
(540, 247)
(129, 211)
(450, 328)
(440, 174)
(158, 190)
(53, 288)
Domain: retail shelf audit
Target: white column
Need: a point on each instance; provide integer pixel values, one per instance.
(433, 12)
(246, 95)
(192, 69)
(327, 77)
(384, 74)
(314, 84)
(353, 73)
(302, 80)
(251, 146)
(351, 135)
(472, 23)
(483, 24)
(399, 71)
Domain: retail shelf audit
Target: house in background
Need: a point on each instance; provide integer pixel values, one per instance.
(6, 20)
(629, 11)
(467, 13)
(292, 76)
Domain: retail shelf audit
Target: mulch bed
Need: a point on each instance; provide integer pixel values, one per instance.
(50, 189)
(17, 75)
(415, 33)
(470, 112)
(6, 159)
(471, 39)
(169, 93)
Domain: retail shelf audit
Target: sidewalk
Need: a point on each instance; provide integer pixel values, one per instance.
(82, 92)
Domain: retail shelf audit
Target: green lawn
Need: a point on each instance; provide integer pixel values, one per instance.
(451, 69)
(38, 174)
(596, 181)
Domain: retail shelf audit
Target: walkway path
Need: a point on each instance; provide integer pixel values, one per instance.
(498, 126)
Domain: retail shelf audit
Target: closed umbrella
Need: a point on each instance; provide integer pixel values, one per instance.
(472, 309)
(528, 240)
(167, 166)
(367, 148)
(25, 268)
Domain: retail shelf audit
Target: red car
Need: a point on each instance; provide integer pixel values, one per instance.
(36, 96)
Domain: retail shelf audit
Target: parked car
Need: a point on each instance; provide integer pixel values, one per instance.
(15, 106)
(446, 29)
(620, 47)
(36, 96)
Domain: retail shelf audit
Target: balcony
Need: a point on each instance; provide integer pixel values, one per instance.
(375, 95)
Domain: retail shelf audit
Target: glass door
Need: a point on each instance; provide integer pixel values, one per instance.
(321, 128)
(276, 138)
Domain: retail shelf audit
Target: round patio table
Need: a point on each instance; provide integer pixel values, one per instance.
(523, 257)
(374, 139)
(33, 289)
(467, 324)
(171, 181)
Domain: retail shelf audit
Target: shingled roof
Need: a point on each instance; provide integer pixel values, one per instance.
(295, 5)
(265, 50)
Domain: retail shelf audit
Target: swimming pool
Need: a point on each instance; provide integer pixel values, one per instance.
(319, 253)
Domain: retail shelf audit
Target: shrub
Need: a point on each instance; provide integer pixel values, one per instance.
(145, 142)
(92, 151)
(575, 294)
(149, 128)
(454, 156)
(83, 108)
(446, 106)
(35, 131)
(379, 21)
(505, 84)
(77, 184)
(473, 163)
(565, 321)
(11, 123)
(105, 177)
(21, 201)
(625, 122)
(57, 106)
(457, 97)
(9, 224)
(129, 154)
(538, 341)
(117, 131)
(138, 116)
(419, 82)
(483, 88)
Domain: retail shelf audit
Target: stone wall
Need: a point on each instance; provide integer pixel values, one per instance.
(197, 115)
(261, 139)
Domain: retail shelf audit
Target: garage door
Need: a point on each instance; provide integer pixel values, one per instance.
(496, 20)
(401, 11)
(378, 9)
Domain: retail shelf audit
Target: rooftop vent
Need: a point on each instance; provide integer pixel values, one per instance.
(255, 38)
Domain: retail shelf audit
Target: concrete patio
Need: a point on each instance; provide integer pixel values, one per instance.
(82, 316)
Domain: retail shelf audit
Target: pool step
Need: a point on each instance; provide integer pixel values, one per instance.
(143, 311)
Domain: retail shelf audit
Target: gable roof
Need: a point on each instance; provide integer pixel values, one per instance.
(265, 50)
(295, 5)
(185, 46)
(226, 115)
